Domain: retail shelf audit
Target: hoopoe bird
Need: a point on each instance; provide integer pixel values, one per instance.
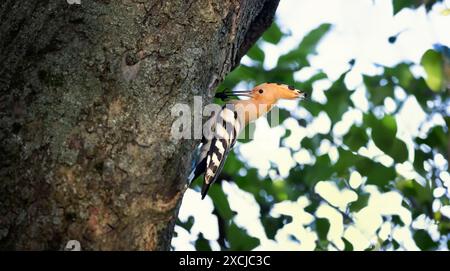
(230, 121)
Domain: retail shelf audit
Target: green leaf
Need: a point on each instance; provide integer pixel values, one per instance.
(220, 202)
(415, 86)
(348, 245)
(232, 164)
(310, 143)
(307, 85)
(240, 240)
(384, 136)
(444, 227)
(188, 224)
(272, 225)
(429, 4)
(376, 173)
(399, 151)
(256, 53)
(320, 171)
(423, 240)
(398, 5)
(419, 158)
(322, 227)
(436, 138)
(287, 134)
(360, 203)
(242, 73)
(383, 131)
(346, 160)
(433, 63)
(297, 58)
(356, 138)
(395, 244)
(377, 91)
(414, 190)
(338, 100)
(313, 107)
(201, 244)
(402, 73)
(273, 34)
(401, 4)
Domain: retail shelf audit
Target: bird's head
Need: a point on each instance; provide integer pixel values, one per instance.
(270, 93)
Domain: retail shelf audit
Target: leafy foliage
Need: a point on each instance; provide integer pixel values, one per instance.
(433, 63)
(401, 4)
(378, 128)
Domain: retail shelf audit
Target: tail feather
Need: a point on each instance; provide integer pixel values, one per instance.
(205, 188)
(199, 170)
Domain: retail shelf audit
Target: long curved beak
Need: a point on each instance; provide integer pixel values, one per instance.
(227, 93)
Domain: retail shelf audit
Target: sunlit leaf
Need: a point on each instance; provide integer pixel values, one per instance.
(220, 202)
(402, 74)
(356, 138)
(272, 225)
(313, 107)
(444, 226)
(383, 130)
(273, 34)
(297, 58)
(232, 164)
(377, 91)
(242, 73)
(436, 138)
(256, 53)
(376, 173)
(384, 136)
(360, 203)
(346, 160)
(419, 158)
(320, 171)
(239, 239)
(348, 245)
(412, 189)
(338, 97)
(202, 244)
(399, 5)
(433, 64)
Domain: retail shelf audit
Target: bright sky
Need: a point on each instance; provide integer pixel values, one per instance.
(360, 30)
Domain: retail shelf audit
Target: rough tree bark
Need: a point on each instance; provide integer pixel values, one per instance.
(86, 91)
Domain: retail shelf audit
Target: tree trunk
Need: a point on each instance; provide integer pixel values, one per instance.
(86, 87)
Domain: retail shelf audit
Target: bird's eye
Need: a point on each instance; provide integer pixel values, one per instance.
(261, 91)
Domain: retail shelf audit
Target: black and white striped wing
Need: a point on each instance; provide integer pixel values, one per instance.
(226, 130)
(203, 149)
